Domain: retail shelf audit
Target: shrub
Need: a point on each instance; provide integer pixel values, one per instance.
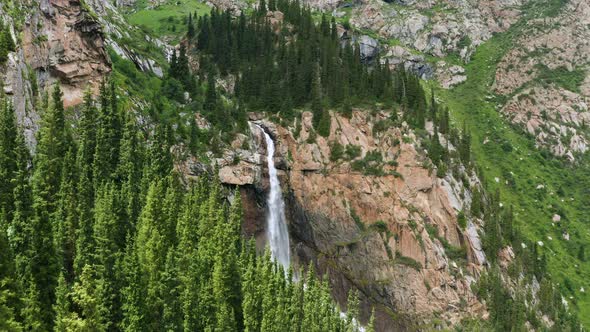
(382, 126)
(461, 220)
(324, 124)
(357, 220)
(352, 151)
(407, 261)
(379, 226)
(336, 151)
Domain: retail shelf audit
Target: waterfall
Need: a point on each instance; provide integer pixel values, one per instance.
(276, 228)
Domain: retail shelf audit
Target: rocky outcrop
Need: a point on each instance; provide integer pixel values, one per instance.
(437, 27)
(385, 234)
(20, 84)
(64, 42)
(412, 30)
(546, 80)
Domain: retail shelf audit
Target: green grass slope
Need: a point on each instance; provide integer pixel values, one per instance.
(168, 19)
(511, 163)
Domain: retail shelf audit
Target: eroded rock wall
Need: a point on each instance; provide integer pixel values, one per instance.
(64, 42)
(402, 269)
(61, 41)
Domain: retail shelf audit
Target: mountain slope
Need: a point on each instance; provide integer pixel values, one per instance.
(538, 185)
(436, 227)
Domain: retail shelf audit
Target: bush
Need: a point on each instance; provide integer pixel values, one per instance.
(461, 220)
(324, 124)
(382, 126)
(352, 151)
(441, 170)
(357, 220)
(407, 261)
(336, 151)
(379, 226)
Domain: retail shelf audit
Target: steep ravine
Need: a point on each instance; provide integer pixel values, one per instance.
(381, 234)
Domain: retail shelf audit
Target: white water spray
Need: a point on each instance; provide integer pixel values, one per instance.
(276, 229)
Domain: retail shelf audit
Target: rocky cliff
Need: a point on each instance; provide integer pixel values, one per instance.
(61, 41)
(393, 233)
(543, 77)
(413, 32)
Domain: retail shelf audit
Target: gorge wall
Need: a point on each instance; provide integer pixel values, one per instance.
(387, 235)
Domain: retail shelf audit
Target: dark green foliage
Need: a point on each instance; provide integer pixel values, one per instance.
(130, 247)
(407, 261)
(562, 77)
(336, 151)
(462, 220)
(8, 167)
(352, 151)
(6, 43)
(303, 65)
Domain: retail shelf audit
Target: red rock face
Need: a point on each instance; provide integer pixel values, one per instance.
(402, 269)
(64, 43)
(333, 196)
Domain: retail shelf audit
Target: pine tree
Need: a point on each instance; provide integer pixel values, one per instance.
(66, 218)
(20, 229)
(211, 95)
(129, 170)
(251, 303)
(108, 135)
(32, 309)
(105, 255)
(84, 236)
(152, 250)
(352, 313)
(190, 27)
(8, 167)
(316, 97)
(84, 297)
(133, 292)
(87, 134)
(53, 143)
(6, 44)
(465, 146)
(172, 319)
(9, 297)
(62, 306)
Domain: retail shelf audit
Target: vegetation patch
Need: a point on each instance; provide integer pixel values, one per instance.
(168, 19)
(407, 261)
(567, 79)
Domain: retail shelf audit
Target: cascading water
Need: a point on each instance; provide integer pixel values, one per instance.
(276, 229)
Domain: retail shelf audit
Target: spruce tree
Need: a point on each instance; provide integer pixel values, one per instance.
(66, 216)
(20, 229)
(32, 309)
(84, 297)
(316, 97)
(8, 167)
(9, 288)
(108, 135)
(105, 254)
(133, 292)
(62, 306)
(53, 143)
